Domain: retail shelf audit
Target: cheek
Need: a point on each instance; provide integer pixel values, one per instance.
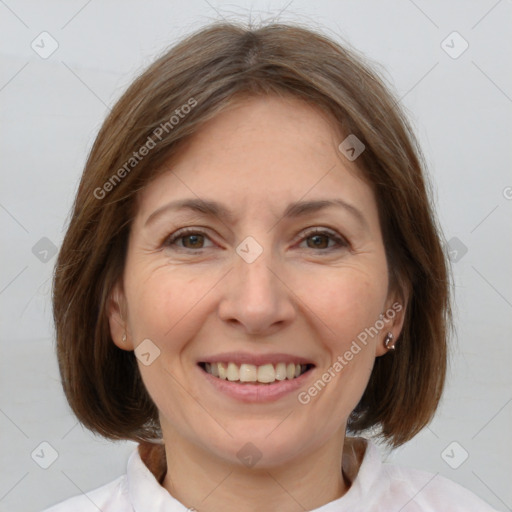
(349, 308)
(166, 308)
(162, 301)
(350, 301)
(358, 306)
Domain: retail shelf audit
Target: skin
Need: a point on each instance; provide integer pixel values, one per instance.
(303, 295)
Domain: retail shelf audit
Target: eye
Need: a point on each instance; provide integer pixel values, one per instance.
(187, 239)
(320, 239)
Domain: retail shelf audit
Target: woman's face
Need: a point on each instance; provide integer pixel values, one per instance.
(264, 278)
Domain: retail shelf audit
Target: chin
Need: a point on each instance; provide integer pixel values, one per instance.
(264, 443)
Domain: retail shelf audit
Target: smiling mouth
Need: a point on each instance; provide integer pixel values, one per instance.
(253, 374)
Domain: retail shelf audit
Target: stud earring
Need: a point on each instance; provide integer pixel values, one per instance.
(388, 341)
(124, 338)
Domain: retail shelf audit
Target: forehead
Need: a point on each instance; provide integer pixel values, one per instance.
(258, 155)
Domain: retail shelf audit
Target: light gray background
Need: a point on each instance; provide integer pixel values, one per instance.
(52, 108)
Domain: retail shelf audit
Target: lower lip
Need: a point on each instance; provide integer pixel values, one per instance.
(257, 393)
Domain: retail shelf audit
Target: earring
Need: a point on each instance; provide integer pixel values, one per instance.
(388, 341)
(124, 338)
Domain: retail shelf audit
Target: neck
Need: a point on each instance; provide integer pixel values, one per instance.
(207, 483)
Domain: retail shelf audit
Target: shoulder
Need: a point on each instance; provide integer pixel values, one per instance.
(111, 497)
(429, 492)
(381, 487)
(137, 489)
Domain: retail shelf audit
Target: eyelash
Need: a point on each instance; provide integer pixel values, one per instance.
(183, 233)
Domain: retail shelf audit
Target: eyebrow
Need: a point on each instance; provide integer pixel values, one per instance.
(293, 210)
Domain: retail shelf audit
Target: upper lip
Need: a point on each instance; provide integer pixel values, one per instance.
(256, 359)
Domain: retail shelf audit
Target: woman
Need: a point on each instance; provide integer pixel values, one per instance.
(252, 272)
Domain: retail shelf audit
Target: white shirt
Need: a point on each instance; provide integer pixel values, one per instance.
(375, 487)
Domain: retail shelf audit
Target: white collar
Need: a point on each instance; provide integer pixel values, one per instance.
(145, 491)
(361, 460)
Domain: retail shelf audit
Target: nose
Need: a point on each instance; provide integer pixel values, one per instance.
(256, 298)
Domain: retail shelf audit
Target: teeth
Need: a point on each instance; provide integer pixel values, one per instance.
(265, 374)
(248, 373)
(280, 371)
(223, 371)
(233, 372)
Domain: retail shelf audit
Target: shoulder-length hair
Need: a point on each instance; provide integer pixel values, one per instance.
(188, 85)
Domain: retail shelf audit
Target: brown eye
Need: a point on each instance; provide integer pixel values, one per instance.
(318, 241)
(187, 239)
(192, 241)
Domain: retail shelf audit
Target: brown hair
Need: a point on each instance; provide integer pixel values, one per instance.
(207, 71)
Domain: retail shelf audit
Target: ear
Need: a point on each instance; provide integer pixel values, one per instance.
(116, 311)
(393, 318)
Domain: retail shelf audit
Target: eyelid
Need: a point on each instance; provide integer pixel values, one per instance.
(182, 232)
(333, 234)
(340, 240)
